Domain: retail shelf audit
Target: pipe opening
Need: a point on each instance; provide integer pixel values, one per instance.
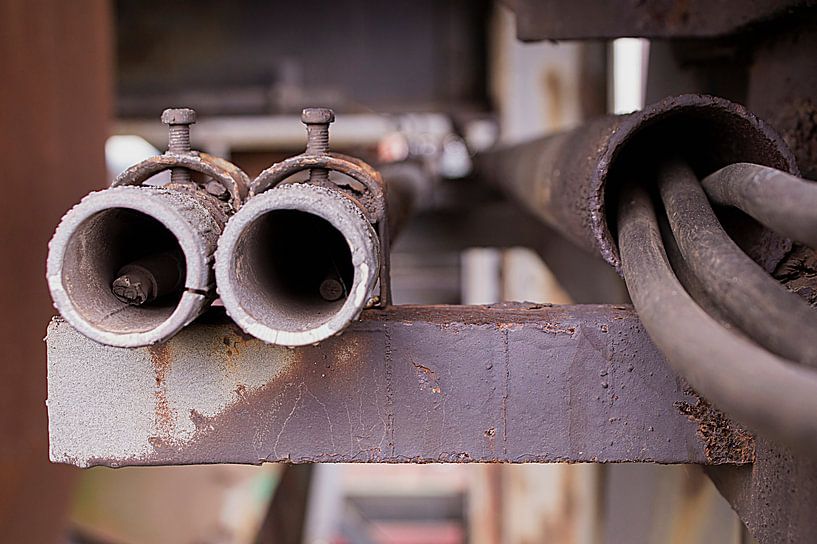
(293, 270)
(119, 249)
(708, 136)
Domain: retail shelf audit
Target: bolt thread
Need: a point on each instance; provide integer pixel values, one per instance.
(180, 175)
(317, 139)
(178, 139)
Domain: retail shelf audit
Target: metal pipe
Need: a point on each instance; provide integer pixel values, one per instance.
(120, 227)
(772, 316)
(131, 265)
(571, 180)
(784, 203)
(276, 255)
(765, 393)
(299, 262)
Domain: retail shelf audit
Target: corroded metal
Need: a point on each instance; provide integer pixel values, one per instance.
(571, 179)
(371, 200)
(276, 253)
(230, 176)
(102, 271)
(511, 383)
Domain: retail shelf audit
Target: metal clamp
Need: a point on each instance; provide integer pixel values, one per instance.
(179, 159)
(318, 160)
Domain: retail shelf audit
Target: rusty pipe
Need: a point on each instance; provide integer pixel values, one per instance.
(571, 179)
(300, 261)
(131, 265)
(277, 254)
(121, 227)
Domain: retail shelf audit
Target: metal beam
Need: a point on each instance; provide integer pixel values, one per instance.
(508, 383)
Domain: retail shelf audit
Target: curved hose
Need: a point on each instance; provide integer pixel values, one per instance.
(784, 203)
(772, 316)
(767, 394)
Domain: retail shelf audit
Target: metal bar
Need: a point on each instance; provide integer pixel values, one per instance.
(767, 394)
(772, 316)
(285, 521)
(782, 202)
(775, 496)
(512, 383)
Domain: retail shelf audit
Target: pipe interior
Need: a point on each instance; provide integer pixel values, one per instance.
(97, 249)
(280, 261)
(708, 137)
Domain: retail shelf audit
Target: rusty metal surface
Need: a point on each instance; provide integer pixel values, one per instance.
(782, 85)
(514, 383)
(587, 19)
(371, 202)
(571, 179)
(56, 103)
(775, 496)
(231, 177)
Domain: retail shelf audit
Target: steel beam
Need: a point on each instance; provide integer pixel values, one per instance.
(509, 383)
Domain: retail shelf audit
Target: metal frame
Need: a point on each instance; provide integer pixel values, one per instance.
(510, 383)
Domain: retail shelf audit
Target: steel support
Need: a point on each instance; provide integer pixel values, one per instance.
(518, 383)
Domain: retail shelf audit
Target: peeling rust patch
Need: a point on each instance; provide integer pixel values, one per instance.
(165, 424)
(724, 441)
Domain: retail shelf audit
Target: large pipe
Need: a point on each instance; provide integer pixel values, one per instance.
(131, 265)
(571, 179)
(100, 243)
(282, 259)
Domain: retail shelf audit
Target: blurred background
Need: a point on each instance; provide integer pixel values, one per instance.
(433, 81)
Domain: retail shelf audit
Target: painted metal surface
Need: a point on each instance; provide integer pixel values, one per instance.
(520, 383)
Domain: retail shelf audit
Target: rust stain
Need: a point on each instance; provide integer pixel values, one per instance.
(556, 329)
(427, 378)
(164, 417)
(349, 352)
(724, 441)
(232, 349)
(300, 391)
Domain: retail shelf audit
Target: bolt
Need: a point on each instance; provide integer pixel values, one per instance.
(149, 278)
(317, 121)
(178, 121)
(217, 190)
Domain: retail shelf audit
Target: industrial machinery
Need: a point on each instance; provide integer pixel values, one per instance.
(705, 207)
